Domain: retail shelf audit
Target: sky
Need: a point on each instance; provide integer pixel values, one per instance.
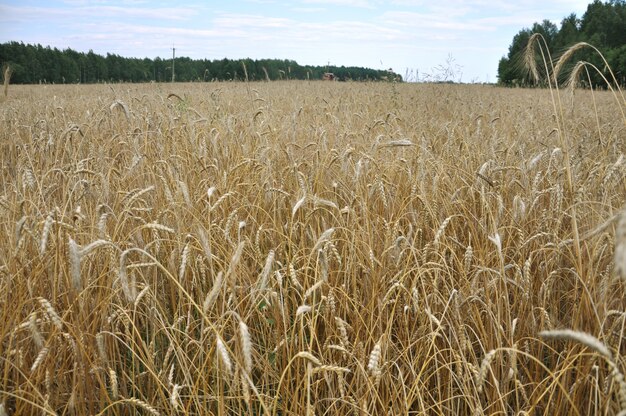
(412, 37)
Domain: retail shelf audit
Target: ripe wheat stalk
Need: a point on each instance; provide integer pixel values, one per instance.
(306, 248)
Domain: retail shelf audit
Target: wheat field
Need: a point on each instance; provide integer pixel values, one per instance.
(311, 248)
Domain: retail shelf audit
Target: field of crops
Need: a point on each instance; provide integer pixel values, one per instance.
(301, 248)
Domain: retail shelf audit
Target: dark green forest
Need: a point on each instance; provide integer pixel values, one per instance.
(34, 64)
(603, 25)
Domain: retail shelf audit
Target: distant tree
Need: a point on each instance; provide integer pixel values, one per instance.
(569, 33)
(510, 68)
(603, 25)
(35, 63)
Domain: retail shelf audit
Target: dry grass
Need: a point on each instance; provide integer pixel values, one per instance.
(6, 78)
(296, 248)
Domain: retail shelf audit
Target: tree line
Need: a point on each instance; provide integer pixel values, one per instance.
(603, 25)
(33, 64)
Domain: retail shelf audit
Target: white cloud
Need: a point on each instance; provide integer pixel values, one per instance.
(308, 9)
(251, 21)
(165, 13)
(117, 30)
(28, 14)
(349, 3)
(432, 21)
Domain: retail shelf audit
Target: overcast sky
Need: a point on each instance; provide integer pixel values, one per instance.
(405, 35)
